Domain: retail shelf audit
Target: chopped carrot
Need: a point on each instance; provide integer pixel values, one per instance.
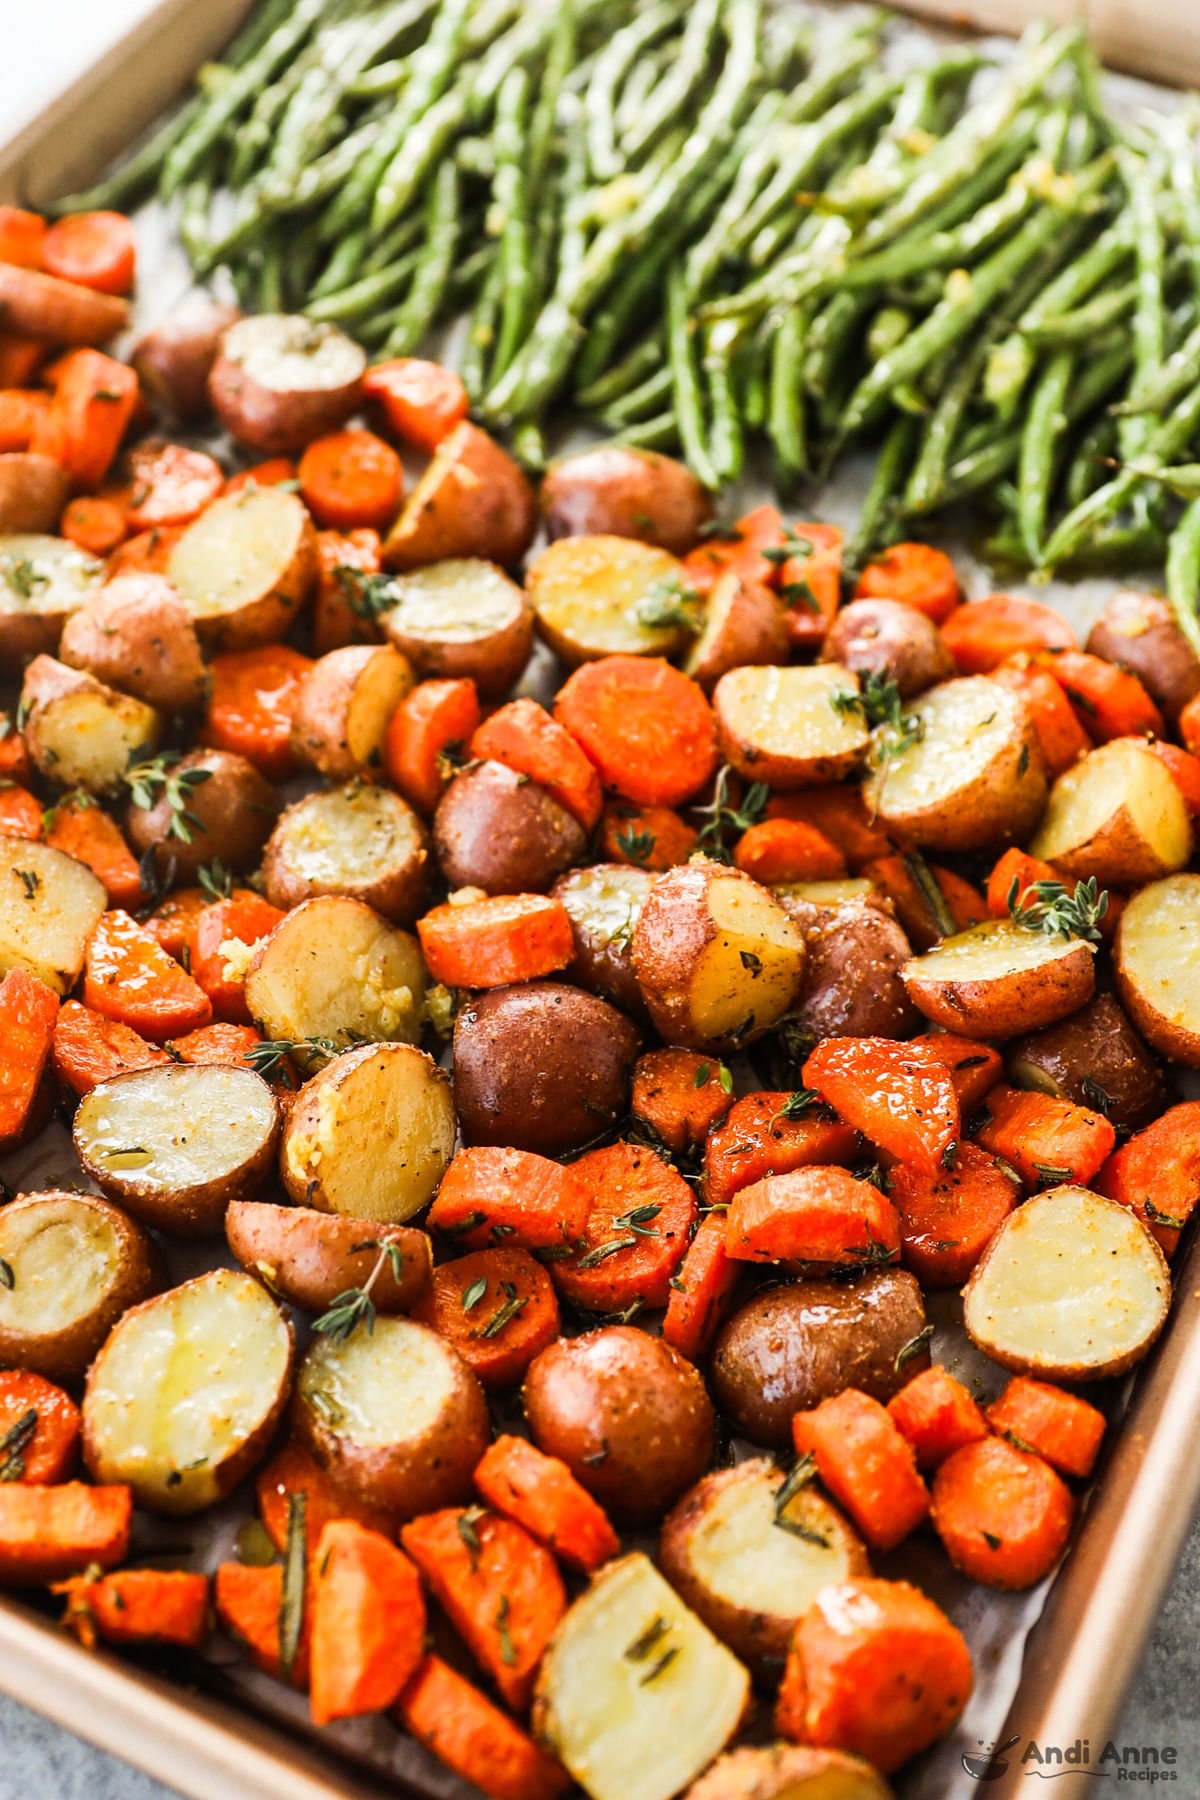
(351, 480)
(498, 1309)
(251, 705)
(759, 1137)
(368, 1623)
(681, 1094)
(96, 249)
(475, 1739)
(1109, 702)
(174, 922)
(428, 728)
(1059, 1427)
(813, 1216)
(272, 473)
(866, 1464)
(339, 618)
(788, 850)
(501, 938)
(137, 1606)
(702, 1290)
(1062, 737)
(293, 1471)
(524, 737)
(947, 1219)
(215, 964)
(28, 1013)
(128, 976)
(739, 548)
(499, 1587)
(89, 1049)
(97, 526)
(82, 428)
(645, 837)
(48, 1533)
(1184, 767)
(540, 1493)
(171, 485)
(22, 235)
(975, 1068)
(227, 1046)
(20, 358)
(984, 633)
(1189, 725)
(488, 1194)
(20, 411)
(14, 756)
(1157, 1173)
(840, 813)
(915, 574)
(39, 1430)
(900, 1096)
(894, 878)
(1046, 1141)
(1003, 1515)
(422, 400)
(810, 582)
(20, 814)
(248, 1602)
(648, 729)
(85, 831)
(937, 1415)
(874, 1667)
(148, 553)
(638, 1226)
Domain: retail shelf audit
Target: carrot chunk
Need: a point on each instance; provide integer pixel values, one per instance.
(85, 831)
(39, 1430)
(915, 574)
(645, 837)
(788, 850)
(1157, 1173)
(1109, 702)
(20, 411)
(22, 235)
(937, 1415)
(540, 1493)
(1046, 1141)
(489, 1193)
(14, 757)
(948, 1219)
(128, 976)
(351, 480)
(895, 879)
(1063, 739)
(866, 1464)
(1027, 871)
(813, 1215)
(840, 814)
(1003, 1515)
(500, 1589)
(974, 1067)
(524, 737)
(901, 1096)
(248, 1602)
(88, 1048)
(171, 485)
(702, 1290)
(681, 1094)
(810, 582)
(28, 1014)
(1059, 1427)
(475, 1739)
(251, 705)
(368, 1623)
(214, 960)
(293, 1471)
(96, 525)
(984, 633)
(174, 922)
(146, 554)
(498, 1309)
(20, 358)
(648, 729)
(96, 249)
(739, 548)
(340, 616)
(875, 1667)
(502, 938)
(82, 428)
(48, 1533)
(422, 400)
(431, 724)
(759, 1137)
(271, 473)
(137, 1606)
(20, 814)
(638, 1225)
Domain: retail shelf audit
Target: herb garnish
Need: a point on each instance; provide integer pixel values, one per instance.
(216, 879)
(725, 820)
(151, 777)
(914, 1347)
(15, 1440)
(1057, 913)
(265, 1058)
(636, 845)
(355, 1306)
(291, 1597)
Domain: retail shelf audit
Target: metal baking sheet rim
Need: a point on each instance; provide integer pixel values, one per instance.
(1082, 1651)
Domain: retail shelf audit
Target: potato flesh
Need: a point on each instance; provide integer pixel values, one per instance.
(751, 967)
(790, 712)
(594, 591)
(380, 1388)
(621, 1735)
(348, 836)
(176, 1127)
(825, 893)
(291, 354)
(606, 903)
(967, 725)
(236, 551)
(340, 973)
(453, 602)
(86, 739)
(1072, 1285)
(377, 693)
(181, 1385)
(992, 952)
(63, 1257)
(1159, 951)
(1118, 777)
(744, 1557)
(45, 933)
(383, 1139)
(58, 575)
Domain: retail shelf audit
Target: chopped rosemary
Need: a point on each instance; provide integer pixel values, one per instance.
(369, 595)
(798, 1530)
(1155, 1217)
(664, 1662)
(603, 1251)
(931, 892)
(914, 1347)
(647, 1640)
(7, 1278)
(22, 576)
(992, 1541)
(15, 1440)
(465, 1526)
(31, 881)
(132, 1156)
(266, 1058)
(291, 1598)
(1052, 1172)
(505, 1314)
(469, 1222)
(508, 1654)
(803, 1471)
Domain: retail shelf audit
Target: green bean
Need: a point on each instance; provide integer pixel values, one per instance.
(417, 156)
(1119, 546)
(1178, 373)
(559, 58)
(1183, 574)
(1185, 183)
(468, 276)
(270, 288)
(312, 114)
(1142, 182)
(481, 334)
(366, 295)
(1098, 378)
(755, 166)
(1085, 472)
(640, 402)
(754, 365)
(511, 199)
(433, 269)
(322, 178)
(384, 78)
(1086, 323)
(301, 259)
(642, 361)
(785, 413)
(252, 138)
(689, 405)
(529, 445)
(677, 88)
(194, 211)
(981, 468)
(394, 243)
(339, 270)
(638, 85)
(139, 173)
(612, 65)
(661, 433)
(830, 337)
(726, 435)
(1045, 422)
(887, 483)
(572, 242)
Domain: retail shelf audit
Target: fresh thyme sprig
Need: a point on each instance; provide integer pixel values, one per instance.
(265, 1058)
(724, 820)
(369, 595)
(216, 879)
(878, 704)
(151, 777)
(1056, 912)
(671, 605)
(636, 845)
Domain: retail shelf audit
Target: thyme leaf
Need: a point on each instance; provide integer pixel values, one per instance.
(1055, 912)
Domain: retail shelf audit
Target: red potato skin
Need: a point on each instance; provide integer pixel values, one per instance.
(173, 361)
(628, 493)
(136, 635)
(502, 832)
(33, 491)
(236, 808)
(473, 500)
(891, 640)
(274, 420)
(309, 1257)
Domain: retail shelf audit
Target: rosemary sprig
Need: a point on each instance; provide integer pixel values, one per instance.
(505, 1314)
(1057, 913)
(355, 1306)
(914, 1347)
(930, 889)
(803, 1470)
(1155, 1217)
(291, 1598)
(603, 1251)
(151, 777)
(15, 1440)
(508, 1654)
(1053, 1172)
(23, 576)
(8, 1280)
(465, 1526)
(646, 1640)
(724, 820)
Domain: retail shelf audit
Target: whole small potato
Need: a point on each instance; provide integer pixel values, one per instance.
(1139, 632)
(792, 1346)
(137, 635)
(852, 985)
(892, 641)
(173, 361)
(235, 808)
(499, 831)
(541, 1066)
(629, 1416)
(1096, 1059)
(628, 493)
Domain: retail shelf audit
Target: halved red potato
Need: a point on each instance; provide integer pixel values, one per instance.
(174, 359)
(791, 1772)
(58, 312)
(136, 635)
(891, 641)
(972, 775)
(280, 380)
(232, 813)
(33, 491)
(1157, 957)
(185, 1396)
(462, 619)
(308, 1258)
(627, 493)
(42, 582)
(334, 969)
(343, 705)
(80, 732)
(245, 567)
(786, 726)
(358, 840)
(744, 623)
(1118, 815)
(998, 979)
(608, 596)
(49, 904)
(472, 501)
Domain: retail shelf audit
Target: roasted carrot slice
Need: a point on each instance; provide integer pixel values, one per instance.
(251, 706)
(48, 1533)
(271, 473)
(174, 922)
(96, 525)
(20, 814)
(866, 1464)
(83, 830)
(491, 942)
(351, 480)
(20, 411)
(813, 1215)
(128, 976)
(82, 428)
(1046, 1141)
(648, 729)
(638, 1225)
(497, 1307)
(681, 1094)
(475, 1739)
(368, 1623)
(937, 1415)
(430, 726)
(422, 400)
(88, 1048)
(900, 1096)
(645, 837)
(14, 757)
(22, 235)
(974, 1067)
(947, 1219)
(1059, 1427)
(788, 850)
(984, 633)
(702, 1290)
(137, 1606)
(147, 553)
(840, 814)
(771, 1133)
(489, 1194)
(524, 737)
(915, 574)
(1109, 702)
(39, 1430)
(96, 249)
(293, 1471)
(1157, 1173)
(248, 1603)
(20, 358)
(738, 547)
(1003, 1515)
(810, 582)
(1063, 739)
(540, 1493)
(28, 1014)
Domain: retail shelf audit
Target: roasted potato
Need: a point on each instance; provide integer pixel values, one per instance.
(718, 959)
(541, 1066)
(278, 381)
(245, 567)
(472, 501)
(744, 623)
(998, 979)
(137, 635)
(892, 641)
(173, 361)
(607, 596)
(58, 312)
(972, 776)
(1071, 1288)
(617, 491)
(233, 810)
(78, 731)
(1157, 977)
(308, 1258)
(1096, 1059)
(335, 969)
(49, 904)
(394, 1415)
(790, 1772)
(502, 832)
(750, 1568)
(1138, 632)
(42, 581)
(33, 491)
(855, 950)
(629, 1416)
(1118, 815)
(175, 1144)
(77, 1264)
(184, 1398)
(371, 1135)
(462, 619)
(604, 903)
(343, 705)
(361, 841)
(623, 1735)
(789, 727)
(792, 1346)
